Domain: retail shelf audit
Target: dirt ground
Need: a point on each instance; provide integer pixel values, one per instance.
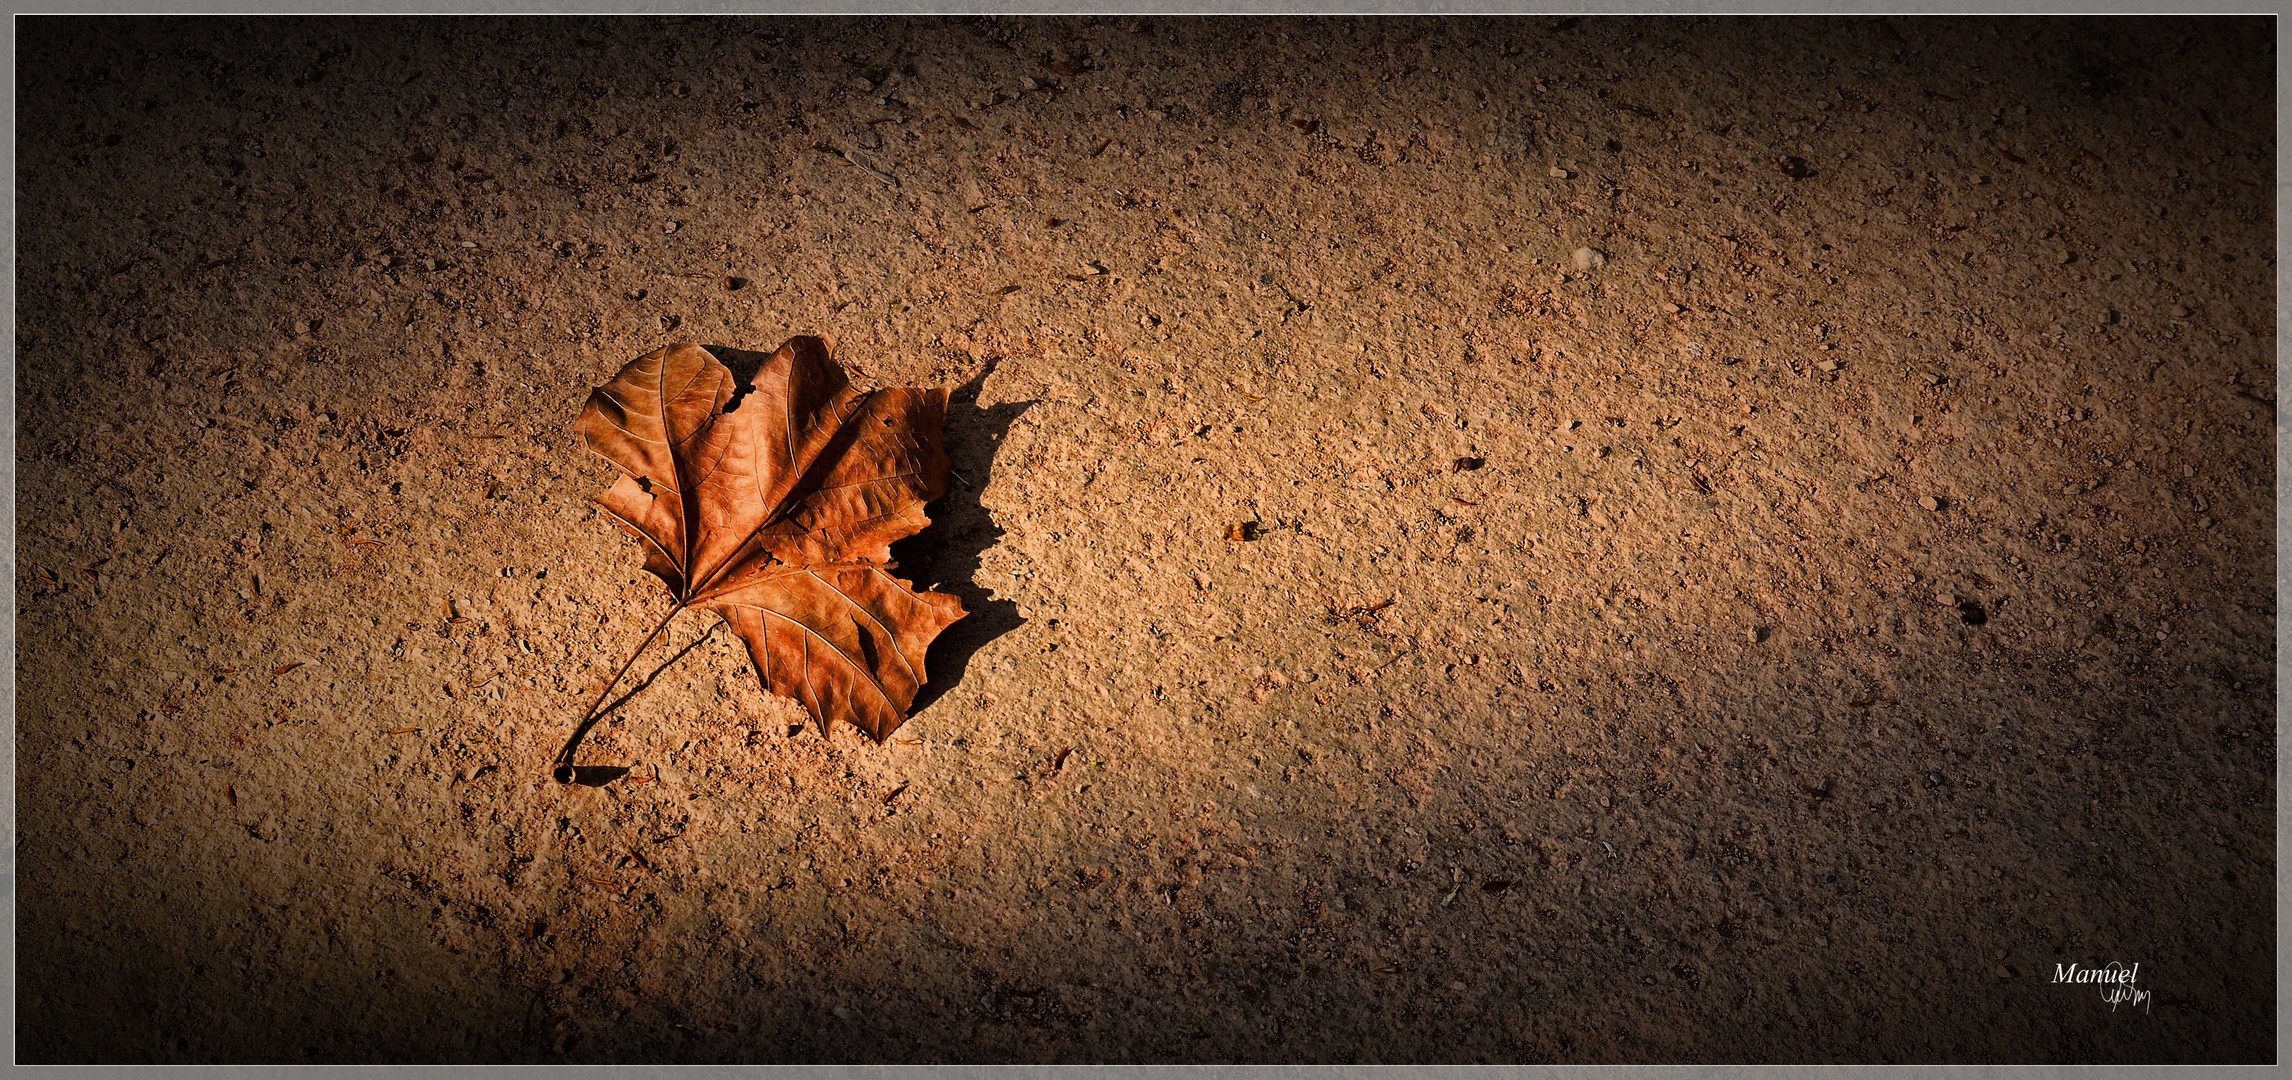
(1763, 540)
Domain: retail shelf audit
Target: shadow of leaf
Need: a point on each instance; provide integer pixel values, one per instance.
(598, 775)
(945, 556)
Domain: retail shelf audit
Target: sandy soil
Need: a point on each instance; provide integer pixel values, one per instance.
(1788, 639)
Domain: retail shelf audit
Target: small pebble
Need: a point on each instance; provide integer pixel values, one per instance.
(1588, 259)
(1672, 308)
(1827, 365)
(1933, 378)
(2180, 312)
(870, 140)
(2204, 522)
(1930, 502)
(1559, 173)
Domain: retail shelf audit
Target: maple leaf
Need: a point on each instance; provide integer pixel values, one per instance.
(773, 502)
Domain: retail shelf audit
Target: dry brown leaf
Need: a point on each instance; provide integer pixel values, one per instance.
(773, 503)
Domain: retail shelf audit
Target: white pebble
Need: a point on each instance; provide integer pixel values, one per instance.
(1588, 259)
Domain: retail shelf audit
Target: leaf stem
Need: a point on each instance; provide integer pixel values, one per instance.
(562, 767)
